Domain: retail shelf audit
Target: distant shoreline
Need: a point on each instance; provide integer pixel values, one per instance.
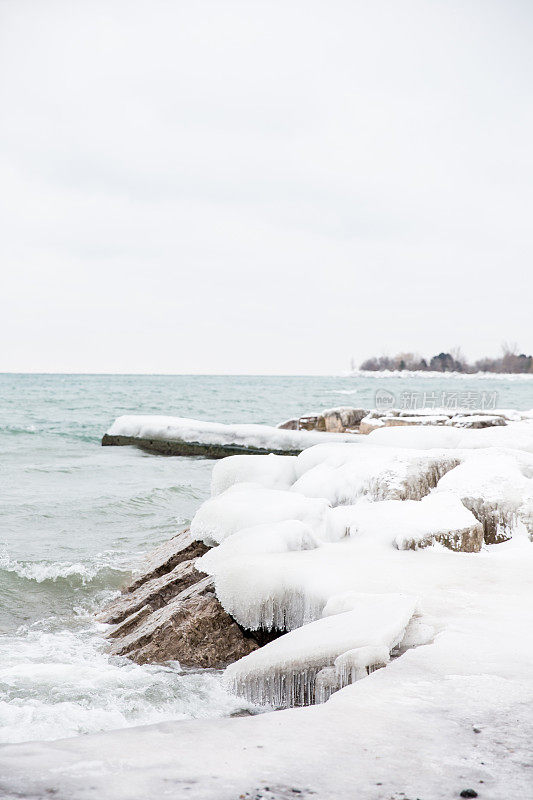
(422, 373)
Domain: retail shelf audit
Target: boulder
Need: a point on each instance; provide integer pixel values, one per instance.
(171, 612)
(338, 420)
(192, 628)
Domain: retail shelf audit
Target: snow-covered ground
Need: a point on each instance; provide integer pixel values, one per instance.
(357, 550)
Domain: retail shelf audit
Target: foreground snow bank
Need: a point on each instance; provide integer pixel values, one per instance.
(446, 716)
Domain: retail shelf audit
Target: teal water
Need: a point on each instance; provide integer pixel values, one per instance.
(75, 519)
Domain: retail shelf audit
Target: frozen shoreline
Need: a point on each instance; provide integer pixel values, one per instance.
(408, 728)
(451, 712)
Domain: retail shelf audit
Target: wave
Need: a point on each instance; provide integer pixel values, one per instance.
(341, 391)
(54, 571)
(18, 429)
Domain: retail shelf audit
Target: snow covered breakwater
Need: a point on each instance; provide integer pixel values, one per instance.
(310, 570)
(178, 436)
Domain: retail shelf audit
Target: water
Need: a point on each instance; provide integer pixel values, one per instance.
(76, 517)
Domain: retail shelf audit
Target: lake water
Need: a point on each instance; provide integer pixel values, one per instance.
(76, 518)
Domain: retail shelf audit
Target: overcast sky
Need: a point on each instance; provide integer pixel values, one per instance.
(263, 187)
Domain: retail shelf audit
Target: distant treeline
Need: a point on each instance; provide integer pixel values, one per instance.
(509, 361)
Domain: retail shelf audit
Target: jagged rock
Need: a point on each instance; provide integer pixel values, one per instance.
(170, 612)
(151, 594)
(164, 558)
(192, 628)
(289, 425)
(338, 420)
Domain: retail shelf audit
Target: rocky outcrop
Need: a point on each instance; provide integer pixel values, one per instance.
(171, 612)
(332, 420)
(171, 447)
(192, 628)
(152, 594)
(360, 420)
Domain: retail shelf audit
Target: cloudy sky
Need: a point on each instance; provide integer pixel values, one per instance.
(262, 187)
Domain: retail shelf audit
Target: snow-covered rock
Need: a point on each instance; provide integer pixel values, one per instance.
(271, 471)
(344, 473)
(181, 436)
(411, 525)
(244, 505)
(497, 486)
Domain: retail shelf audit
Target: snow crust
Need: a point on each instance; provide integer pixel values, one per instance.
(244, 505)
(516, 435)
(245, 435)
(283, 576)
(271, 471)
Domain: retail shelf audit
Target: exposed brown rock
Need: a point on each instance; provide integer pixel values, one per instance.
(167, 556)
(338, 420)
(151, 594)
(192, 628)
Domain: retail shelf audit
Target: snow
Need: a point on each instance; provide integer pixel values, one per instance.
(283, 672)
(277, 537)
(282, 576)
(407, 524)
(272, 471)
(344, 473)
(244, 505)
(181, 429)
(514, 435)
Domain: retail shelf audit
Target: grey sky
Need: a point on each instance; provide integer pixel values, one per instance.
(193, 186)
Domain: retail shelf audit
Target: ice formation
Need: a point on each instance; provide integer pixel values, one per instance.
(290, 559)
(271, 471)
(283, 672)
(244, 505)
(281, 575)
